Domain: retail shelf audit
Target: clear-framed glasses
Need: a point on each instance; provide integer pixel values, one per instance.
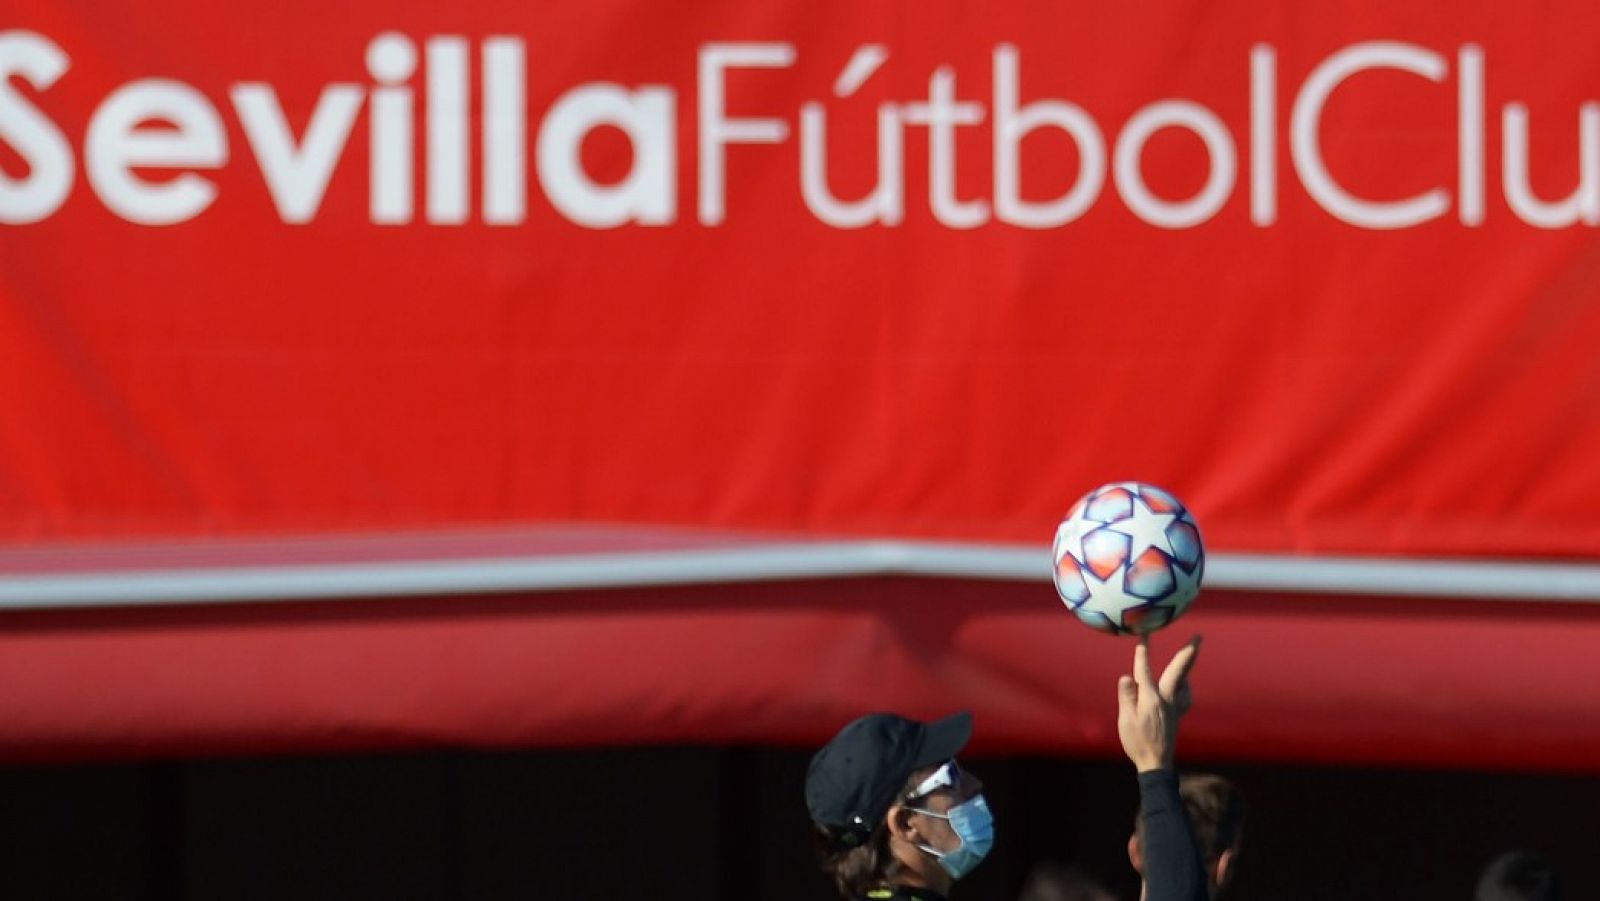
(948, 775)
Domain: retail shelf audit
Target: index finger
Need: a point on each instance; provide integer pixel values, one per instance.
(1141, 665)
(1177, 671)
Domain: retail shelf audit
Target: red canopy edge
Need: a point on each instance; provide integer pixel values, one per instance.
(1293, 678)
(550, 557)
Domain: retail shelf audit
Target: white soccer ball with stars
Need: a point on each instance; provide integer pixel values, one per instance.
(1128, 558)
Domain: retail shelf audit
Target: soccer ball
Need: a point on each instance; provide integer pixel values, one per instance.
(1128, 558)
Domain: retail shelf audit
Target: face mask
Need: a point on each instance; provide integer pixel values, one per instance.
(974, 825)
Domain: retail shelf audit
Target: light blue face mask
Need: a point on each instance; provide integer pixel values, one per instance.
(974, 825)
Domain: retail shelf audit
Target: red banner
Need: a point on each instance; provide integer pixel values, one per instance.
(1325, 271)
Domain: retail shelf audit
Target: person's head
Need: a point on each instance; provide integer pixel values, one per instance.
(890, 806)
(1058, 882)
(1519, 876)
(1216, 817)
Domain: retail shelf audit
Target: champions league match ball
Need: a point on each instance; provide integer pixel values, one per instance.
(1128, 558)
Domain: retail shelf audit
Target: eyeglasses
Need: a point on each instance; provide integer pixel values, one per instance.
(948, 775)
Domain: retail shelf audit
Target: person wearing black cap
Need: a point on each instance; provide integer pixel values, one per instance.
(894, 816)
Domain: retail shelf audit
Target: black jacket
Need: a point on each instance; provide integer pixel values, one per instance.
(1173, 870)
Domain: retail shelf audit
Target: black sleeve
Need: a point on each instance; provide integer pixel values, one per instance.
(1173, 870)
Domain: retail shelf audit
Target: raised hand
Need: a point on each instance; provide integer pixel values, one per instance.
(1148, 710)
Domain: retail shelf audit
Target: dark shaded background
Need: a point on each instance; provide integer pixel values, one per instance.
(712, 823)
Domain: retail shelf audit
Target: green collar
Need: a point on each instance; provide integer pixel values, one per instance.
(902, 893)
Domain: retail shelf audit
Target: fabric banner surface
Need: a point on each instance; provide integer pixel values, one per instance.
(1327, 272)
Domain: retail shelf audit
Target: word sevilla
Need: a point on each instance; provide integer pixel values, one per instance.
(157, 123)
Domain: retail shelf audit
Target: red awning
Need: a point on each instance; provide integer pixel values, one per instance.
(1283, 677)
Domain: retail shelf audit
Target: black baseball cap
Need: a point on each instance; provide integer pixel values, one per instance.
(854, 779)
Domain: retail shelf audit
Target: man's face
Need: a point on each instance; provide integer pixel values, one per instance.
(939, 789)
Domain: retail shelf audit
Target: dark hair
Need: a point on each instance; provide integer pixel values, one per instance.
(1216, 812)
(869, 865)
(856, 870)
(1519, 876)
(1059, 882)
